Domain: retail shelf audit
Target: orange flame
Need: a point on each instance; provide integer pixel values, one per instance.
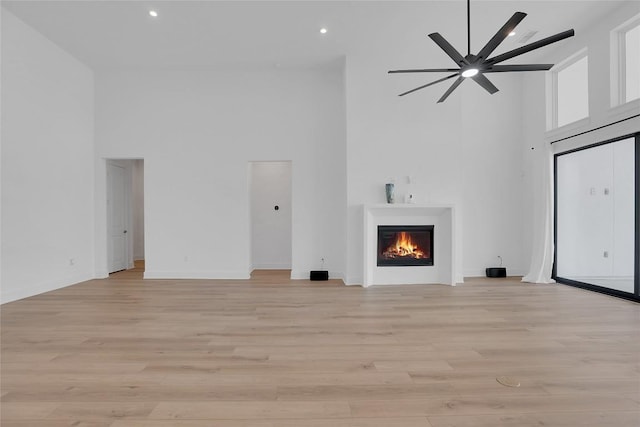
(404, 247)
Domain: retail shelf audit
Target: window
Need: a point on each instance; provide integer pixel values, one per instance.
(632, 64)
(569, 91)
(625, 61)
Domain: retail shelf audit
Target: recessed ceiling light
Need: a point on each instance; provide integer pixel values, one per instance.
(153, 13)
(470, 72)
(323, 31)
(512, 33)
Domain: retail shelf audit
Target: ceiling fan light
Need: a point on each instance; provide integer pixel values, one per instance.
(469, 72)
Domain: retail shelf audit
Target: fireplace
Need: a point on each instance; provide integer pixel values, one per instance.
(405, 245)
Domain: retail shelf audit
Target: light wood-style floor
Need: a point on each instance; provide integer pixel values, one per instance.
(269, 352)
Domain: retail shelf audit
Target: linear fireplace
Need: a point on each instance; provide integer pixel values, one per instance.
(405, 245)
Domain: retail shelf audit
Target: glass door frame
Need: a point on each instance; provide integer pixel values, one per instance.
(635, 296)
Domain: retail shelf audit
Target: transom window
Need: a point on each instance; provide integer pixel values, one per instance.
(569, 95)
(625, 49)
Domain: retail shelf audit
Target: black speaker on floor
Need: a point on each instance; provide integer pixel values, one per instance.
(319, 275)
(496, 272)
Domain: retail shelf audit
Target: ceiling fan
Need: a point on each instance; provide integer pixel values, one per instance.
(476, 66)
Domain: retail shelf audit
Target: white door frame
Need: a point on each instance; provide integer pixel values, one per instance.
(252, 261)
(127, 220)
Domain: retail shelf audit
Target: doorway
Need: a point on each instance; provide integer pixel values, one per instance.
(270, 199)
(125, 215)
(597, 211)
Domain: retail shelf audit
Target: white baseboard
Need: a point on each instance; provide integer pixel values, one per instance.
(272, 267)
(304, 275)
(212, 275)
(41, 288)
(482, 273)
(102, 274)
(353, 281)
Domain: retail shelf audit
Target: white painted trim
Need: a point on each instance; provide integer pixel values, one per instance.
(354, 281)
(102, 274)
(569, 129)
(304, 275)
(617, 49)
(212, 275)
(43, 287)
(621, 111)
(126, 165)
(552, 89)
(483, 273)
(272, 267)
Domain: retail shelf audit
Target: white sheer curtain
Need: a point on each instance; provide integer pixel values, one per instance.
(542, 252)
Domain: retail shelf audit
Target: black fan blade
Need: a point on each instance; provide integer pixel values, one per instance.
(449, 50)
(483, 81)
(429, 84)
(451, 89)
(426, 70)
(502, 34)
(532, 46)
(523, 67)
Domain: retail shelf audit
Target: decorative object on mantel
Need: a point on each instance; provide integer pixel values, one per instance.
(408, 197)
(476, 66)
(321, 274)
(497, 271)
(389, 189)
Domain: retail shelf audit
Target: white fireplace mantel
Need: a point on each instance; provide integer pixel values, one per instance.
(446, 257)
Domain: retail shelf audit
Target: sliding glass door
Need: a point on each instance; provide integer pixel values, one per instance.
(596, 194)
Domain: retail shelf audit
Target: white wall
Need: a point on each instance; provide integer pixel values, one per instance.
(270, 228)
(598, 44)
(196, 130)
(465, 151)
(47, 164)
(536, 140)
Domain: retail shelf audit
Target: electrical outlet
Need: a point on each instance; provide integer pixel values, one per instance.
(72, 261)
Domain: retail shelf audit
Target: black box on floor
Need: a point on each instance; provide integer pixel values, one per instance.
(319, 275)
(496, 272)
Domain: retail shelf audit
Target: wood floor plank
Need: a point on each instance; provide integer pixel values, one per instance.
(556, 419)
(352, 392)
(98, 410)
(309, 378)
(56, 423)
(256, 410)
(26, 410)
(490, 405)
(269, 351)
(333, 422)
(140, 393)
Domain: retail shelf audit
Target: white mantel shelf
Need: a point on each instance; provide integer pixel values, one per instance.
(446, 244)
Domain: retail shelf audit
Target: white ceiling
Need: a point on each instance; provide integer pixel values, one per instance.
(121, 34)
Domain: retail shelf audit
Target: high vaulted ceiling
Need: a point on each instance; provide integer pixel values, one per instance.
(121, 34)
